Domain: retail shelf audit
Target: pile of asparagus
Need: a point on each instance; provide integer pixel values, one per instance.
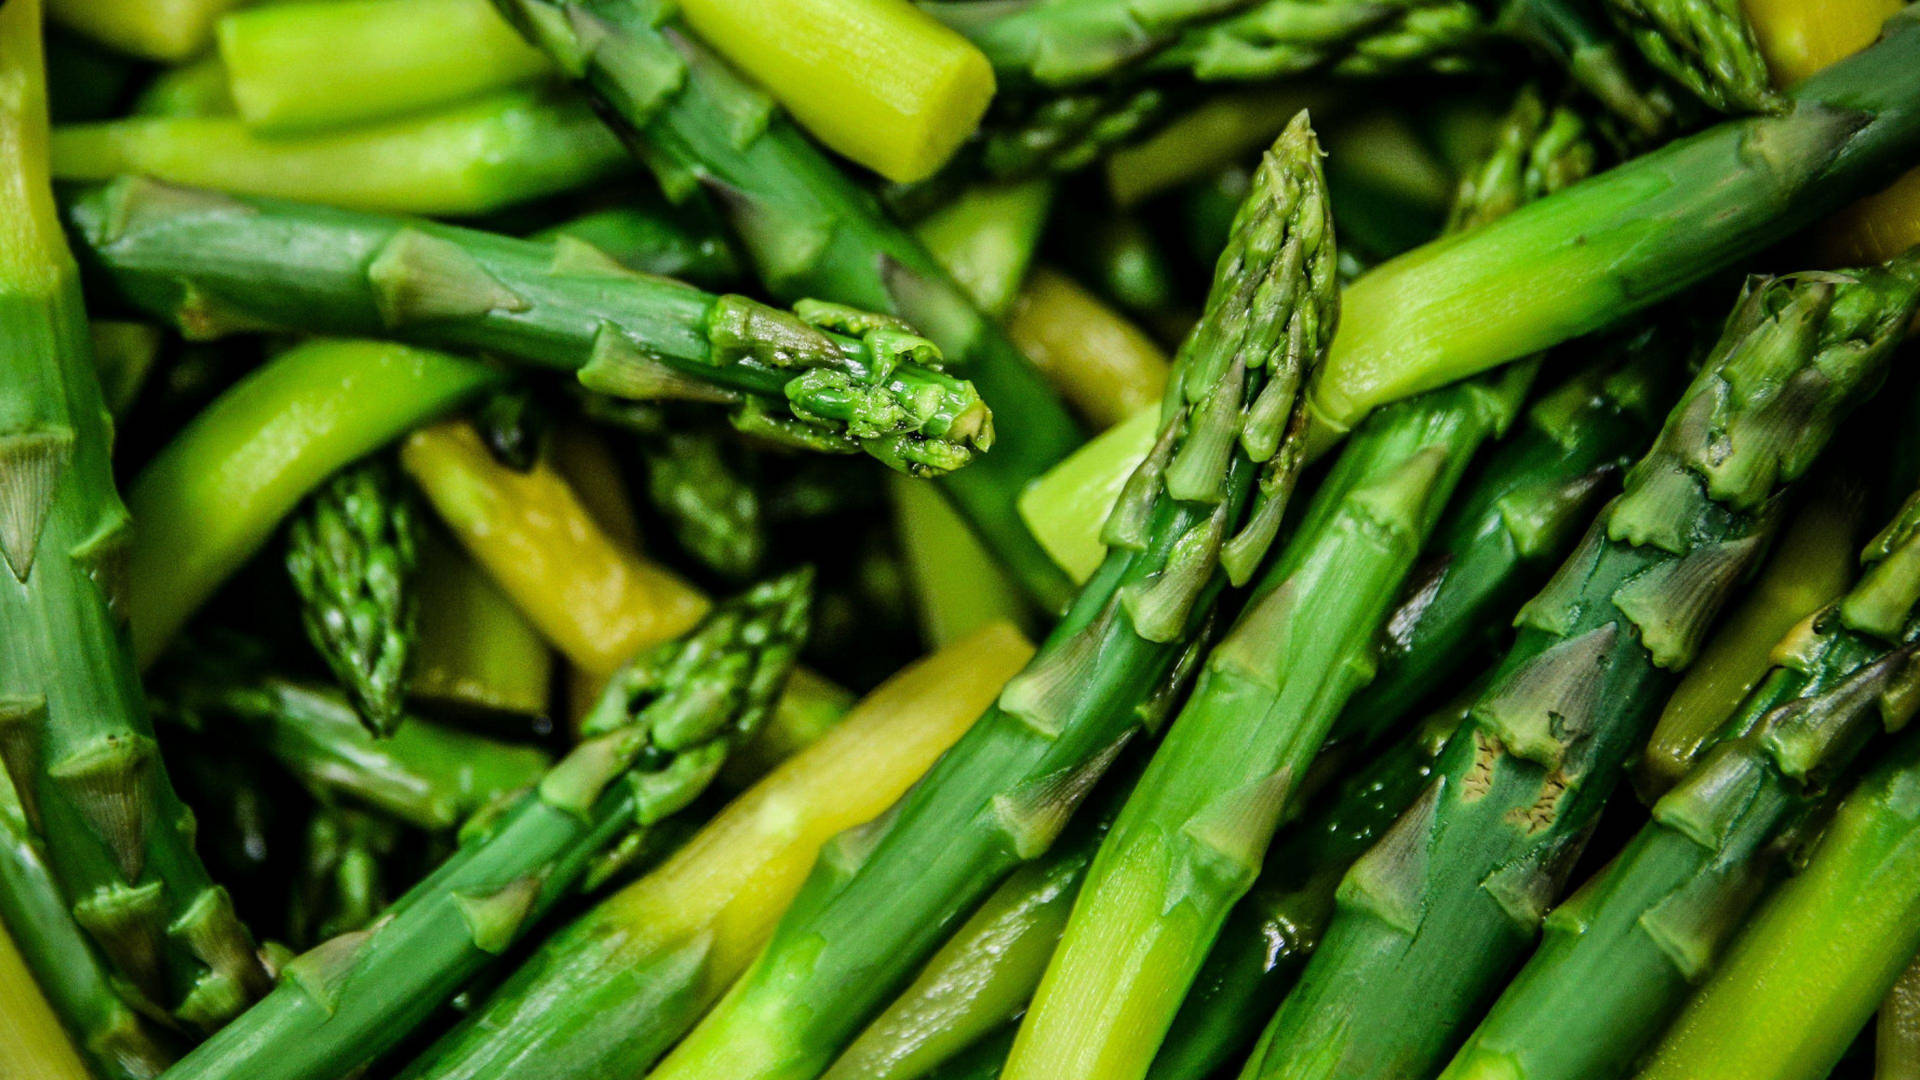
(955, 539)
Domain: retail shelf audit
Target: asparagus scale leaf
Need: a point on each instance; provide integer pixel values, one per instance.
(824, 377)
(1622, 954)
(77, 741)
(655, 740)
(1212, 493)
(1435, 914)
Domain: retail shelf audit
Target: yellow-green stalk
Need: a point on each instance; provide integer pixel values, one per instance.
(957, 585)
(474, 651)
(1066, 508)
(166, 30)
(1106, 367)
(33, 1046)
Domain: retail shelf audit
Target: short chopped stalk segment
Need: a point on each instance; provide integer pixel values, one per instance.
(351, 552)
(824, 377)
(1623, 953)
(77, 742)
(655, 740)
(1440, 909)
(810, 229)
(881, 901)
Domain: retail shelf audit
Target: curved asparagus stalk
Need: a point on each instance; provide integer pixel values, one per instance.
(424, 774)
(1622, 954)
(1707, 46)
(1191, 838)
(1434, 915)
(1812, 964)
(1589, 256)
(810, 231)
(828, 378)
(118, 1042)
(613, 990)
(351, 553)
(655, 740)
(74, 733)
(876, 906)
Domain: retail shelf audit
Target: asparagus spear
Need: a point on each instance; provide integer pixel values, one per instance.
(810, 231)
(341, 886)
(1621, 955)
(1434, 915)
(31, 1042)
(828, 377)
(646, 234)
(1594, 254)
(875, 907)
(609, 993)
(1896, 1036)
(471, 158)
(475, 652)
(714, 512)
(351, 551)
(169, 30)
(78, 744)
(1189, 841)
(1808, 969)
(1707, 46)
(665, 725)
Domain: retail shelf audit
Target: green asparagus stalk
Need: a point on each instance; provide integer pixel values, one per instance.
(474, 652)
(810, 230)
(1276, 38)
(341, 885)
(1601, 250)
(425, 774)
(214, 495)
(645, 234)
(196, 89)
(335, 63)
(167, 30)
(77, 742)
(1191, 838)
(1896, 1036)
(1811, 965)
(124, 354)
(1811, 565)
(351, 551)
(118, 1042)
(957, 587)
(471, 158)
(981, 979)
(31, 1042)
(607, 995)
(827, 378)
(1437, 912)
(1707, 46)
(714, 512)
(882, 901)
(655, 740)
(986, 236)
(1620, 956)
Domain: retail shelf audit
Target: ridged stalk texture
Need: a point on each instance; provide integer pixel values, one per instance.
(1708, 46)
(74, 733)
(1191, 839)
(614, 989)
(655, 740)
(1621, 955)
(810, 230)
(351, 552)
(1439, 910)
(826, 377)
(1204, 508)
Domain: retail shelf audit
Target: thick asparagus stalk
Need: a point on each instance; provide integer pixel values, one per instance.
(424, 774)
(609, 993)
(1604, 249)
(664, 727)
(1434, 915)
(351, 552)
(828, 378)
(646, 234)
(1000, 798)
(77, 741)
(1706, 45)
(168, 30)
(1809, 968)
(213, 496)
(810, 231)
(1623, 953)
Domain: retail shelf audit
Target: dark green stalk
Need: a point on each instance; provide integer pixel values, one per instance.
(342, 878)
(810, 230)
(74, 733)
(425, 774)
(351, 551)
(826, 377)
(654, 741)
(1707, 46)
(1431, 919)
(1622, 954)
(881, 900)
(644, 234)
